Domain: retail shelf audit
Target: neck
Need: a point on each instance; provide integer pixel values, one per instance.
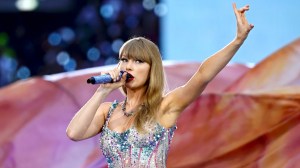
(135, 98)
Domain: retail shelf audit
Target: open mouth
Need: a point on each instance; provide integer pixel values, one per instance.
(129, 77)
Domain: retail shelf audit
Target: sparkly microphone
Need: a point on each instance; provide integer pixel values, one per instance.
(106, 78)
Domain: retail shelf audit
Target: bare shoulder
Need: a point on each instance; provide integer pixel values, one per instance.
(104, 108)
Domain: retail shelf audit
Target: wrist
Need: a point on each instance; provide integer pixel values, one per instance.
(239, 40)
(104, 91)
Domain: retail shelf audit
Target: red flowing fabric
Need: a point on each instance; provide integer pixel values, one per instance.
(246, 117)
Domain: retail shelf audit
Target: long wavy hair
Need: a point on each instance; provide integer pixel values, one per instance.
(140, 48)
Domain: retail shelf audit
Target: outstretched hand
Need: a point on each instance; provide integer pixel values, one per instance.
(243, 27)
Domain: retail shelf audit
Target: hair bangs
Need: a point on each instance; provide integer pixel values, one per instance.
(135, 49)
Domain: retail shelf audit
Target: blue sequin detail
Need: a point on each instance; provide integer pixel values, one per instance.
(131, 149)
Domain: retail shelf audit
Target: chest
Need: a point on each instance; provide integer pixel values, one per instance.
(132, 138)
(118, 122)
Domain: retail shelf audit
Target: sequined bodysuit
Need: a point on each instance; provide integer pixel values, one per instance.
(131, 149)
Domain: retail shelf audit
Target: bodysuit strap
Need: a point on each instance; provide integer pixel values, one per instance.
(111, 109)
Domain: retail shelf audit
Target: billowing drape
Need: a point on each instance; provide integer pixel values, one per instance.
(246, 117)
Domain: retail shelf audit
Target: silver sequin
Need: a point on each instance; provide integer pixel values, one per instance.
(131, 149)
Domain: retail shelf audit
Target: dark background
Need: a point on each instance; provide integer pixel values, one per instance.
(66, 35)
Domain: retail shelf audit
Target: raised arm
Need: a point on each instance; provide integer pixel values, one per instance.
(214, 64)
(89, 120)
(178, 99)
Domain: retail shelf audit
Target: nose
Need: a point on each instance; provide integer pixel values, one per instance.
(129, 65)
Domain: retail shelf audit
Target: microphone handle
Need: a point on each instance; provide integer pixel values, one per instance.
(101, 79)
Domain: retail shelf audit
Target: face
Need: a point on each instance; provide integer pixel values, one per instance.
(138, 69)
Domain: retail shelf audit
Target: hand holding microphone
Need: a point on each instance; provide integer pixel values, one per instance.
(106, 78)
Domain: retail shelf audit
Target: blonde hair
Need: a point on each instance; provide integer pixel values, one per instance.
(140, 48)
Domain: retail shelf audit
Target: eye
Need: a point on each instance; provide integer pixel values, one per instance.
(139, 61)
(123, 60)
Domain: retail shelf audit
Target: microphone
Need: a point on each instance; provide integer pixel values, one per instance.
(106, 78)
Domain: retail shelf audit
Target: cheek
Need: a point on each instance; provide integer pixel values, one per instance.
(145, 78)
(122, 66)
(146, 69)
(147, 74)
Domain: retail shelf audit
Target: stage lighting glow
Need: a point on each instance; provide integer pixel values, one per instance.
(71, 65)
(110, 61)
(3, 39)
(107, 11)
(26, 5)
(8, 63)
(116, 45)
(63, 58)
(93, 54)
(161, 9)
(67, 34)
(54, 39)
(149, 4)
(23, 72)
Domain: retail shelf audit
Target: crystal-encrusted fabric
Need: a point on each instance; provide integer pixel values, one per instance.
(131, 149)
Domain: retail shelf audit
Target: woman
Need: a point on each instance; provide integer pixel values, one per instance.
(137, 131)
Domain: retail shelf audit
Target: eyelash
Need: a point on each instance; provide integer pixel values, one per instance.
(126, 60)
(139, 61)
(123, 59)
